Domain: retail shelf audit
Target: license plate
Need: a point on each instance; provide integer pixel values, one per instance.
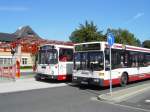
(83, 82)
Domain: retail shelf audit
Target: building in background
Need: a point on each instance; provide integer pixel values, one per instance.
(26, 42)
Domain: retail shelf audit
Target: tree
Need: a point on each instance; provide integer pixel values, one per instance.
(86, 33)
(146, 44)
(124, 37)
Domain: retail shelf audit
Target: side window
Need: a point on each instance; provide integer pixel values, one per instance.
(126, 59)
(117, 59)
(141, 60)
(65, 54)
(107, 59)
(147, 60)
(133, 59)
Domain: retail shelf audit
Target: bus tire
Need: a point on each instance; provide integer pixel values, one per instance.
(37, 78)
(124, 79)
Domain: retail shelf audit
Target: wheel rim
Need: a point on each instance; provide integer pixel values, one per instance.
(124, 80)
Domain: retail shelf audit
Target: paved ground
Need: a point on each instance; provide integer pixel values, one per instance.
(60, 99)
(68, 98)
(139, 101)
(26, 85)
(125, 94)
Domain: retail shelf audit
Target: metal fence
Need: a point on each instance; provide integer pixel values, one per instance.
(7, 68)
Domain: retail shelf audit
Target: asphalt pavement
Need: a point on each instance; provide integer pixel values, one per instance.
(60, 99)
(69, 98)
(27, 95)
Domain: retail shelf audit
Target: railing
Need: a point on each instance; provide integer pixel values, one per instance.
(8, 71)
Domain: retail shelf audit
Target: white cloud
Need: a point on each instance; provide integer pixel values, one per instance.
(13, 8)
(138, 15)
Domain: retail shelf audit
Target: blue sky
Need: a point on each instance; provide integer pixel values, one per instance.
(56, 19)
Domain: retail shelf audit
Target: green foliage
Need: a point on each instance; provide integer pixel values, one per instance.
(26, 67)
(86, 33)
(146, 44)
(124, 37)
(89, 32)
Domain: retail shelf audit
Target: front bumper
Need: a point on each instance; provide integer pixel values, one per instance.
(45, 76)
(85, 80)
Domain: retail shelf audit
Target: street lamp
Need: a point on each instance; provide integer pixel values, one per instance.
(13, 51)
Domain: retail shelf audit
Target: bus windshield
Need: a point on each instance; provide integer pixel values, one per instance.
(48, 56)
(89, 61)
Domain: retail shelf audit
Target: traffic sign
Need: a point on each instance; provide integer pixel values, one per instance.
(110, 39)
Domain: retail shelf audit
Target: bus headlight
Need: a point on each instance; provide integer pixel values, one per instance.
(74, 71)
(96, 80)
(75, 78)
(52, 72)
(101, 74)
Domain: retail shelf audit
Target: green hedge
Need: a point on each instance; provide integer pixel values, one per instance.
(26, 67)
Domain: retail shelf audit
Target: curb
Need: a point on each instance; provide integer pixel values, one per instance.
(124, 94)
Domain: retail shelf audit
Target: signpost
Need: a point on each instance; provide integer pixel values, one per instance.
(110, 40)
(13, 51)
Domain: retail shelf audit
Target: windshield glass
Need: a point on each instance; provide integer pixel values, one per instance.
(88, 61)
(48, 56)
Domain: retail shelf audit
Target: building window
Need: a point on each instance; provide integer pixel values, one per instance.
(5, 61)
(24, 61)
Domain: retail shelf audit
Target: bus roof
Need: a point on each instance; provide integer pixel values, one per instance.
(118, 46)
(58, 45)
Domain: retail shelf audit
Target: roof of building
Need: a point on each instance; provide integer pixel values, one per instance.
(6, 37)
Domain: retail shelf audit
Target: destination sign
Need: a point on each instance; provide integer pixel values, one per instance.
(88, 47)
(46, 47)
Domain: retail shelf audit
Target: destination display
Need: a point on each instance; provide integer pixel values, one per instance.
(88, 47)
(47, 47)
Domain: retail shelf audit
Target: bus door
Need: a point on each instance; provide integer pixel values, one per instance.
(135, 69)
(53, 61)
(65, 61)
(143, 65)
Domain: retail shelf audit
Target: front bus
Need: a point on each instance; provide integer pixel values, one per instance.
(91, 64)
(88, 63)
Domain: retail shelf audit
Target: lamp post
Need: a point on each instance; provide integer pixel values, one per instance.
(13, 51)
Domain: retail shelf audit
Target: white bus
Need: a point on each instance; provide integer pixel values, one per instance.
(55, 62)
(91, 63)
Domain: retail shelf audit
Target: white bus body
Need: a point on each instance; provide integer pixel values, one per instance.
(91, 63)
(55, 62)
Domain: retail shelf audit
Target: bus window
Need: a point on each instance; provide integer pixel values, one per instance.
(65, 54)
(134, 59)
(147, 60)
(48, 56)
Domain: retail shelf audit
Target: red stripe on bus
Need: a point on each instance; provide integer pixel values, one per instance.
(131, 78)
(114, 82)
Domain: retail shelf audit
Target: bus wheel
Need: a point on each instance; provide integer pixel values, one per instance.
(124, 80)
(37, 78)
